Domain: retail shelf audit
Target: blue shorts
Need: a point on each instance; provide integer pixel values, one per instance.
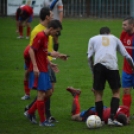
(44, 82)
(29, 19)
(127, 80)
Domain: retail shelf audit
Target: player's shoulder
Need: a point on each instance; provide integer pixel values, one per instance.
(123, 33)
(41, 34)
(95, 37)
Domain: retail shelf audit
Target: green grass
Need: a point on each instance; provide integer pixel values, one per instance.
(74, 72)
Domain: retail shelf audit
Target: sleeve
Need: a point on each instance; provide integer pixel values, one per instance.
(90, 51)
(60, 5)
(121, 48)
(53, 4)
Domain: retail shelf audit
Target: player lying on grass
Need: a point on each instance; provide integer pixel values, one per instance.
(122, 114)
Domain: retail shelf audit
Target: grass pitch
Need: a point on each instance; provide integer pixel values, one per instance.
(74, 72)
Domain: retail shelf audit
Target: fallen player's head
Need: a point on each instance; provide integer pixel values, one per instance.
(122, 119)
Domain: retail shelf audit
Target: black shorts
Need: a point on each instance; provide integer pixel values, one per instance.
(102, 74)
(52, 75)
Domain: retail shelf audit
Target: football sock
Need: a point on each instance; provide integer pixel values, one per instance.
(99, 109)
(33, 108)
(21, 30)
(28, 31)
(30, 105)
(26, 88)
(41, 110)
(127, 100)
(47, 108)
(75, 105)
(114, 106)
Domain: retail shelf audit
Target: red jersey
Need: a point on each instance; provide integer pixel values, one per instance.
(128, 42)
(40, 44)
(106, 112)
(27, 9)
(121, 110)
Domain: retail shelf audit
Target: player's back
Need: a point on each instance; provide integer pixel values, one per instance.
(105, 47)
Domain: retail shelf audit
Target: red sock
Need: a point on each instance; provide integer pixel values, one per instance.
(21, 30)
(28, 31)
(26, 88)
(127, 100)
(41, 110)
(76, 105)
(33, 108)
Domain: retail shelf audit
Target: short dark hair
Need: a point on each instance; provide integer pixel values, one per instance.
(55, 24)
(122, 119)
(18, 11)
(104, 30)
(129, 19)
(44, 12)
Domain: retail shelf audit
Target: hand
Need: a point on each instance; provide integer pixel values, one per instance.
(93, 91)
(36, 71)
(54, 67)
(63, 56)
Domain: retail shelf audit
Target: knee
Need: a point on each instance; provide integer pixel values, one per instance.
(126, 91)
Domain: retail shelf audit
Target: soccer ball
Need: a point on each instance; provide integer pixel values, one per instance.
(93, 121)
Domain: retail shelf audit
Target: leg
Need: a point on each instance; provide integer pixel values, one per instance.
(98, 86)
(114, 82)
(26, 88)
(99, 103)
(127, 99)
(76, 104)
(28, 30)
(127, 83)
(49, 117)
(20, 30)
(114, 106)
(115, 103)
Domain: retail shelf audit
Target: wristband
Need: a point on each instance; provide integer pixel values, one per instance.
(49, 54)
(56, 47)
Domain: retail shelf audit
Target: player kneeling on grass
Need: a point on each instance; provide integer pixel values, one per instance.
(122, 114)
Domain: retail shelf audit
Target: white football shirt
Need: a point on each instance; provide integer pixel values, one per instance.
(104, 48)
(58, 8)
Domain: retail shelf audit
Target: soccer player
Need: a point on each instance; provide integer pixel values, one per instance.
(56, 6)
(45, 17)
(39, 69)
(24, 15)
(103, 48)
(122, 114)
(127, 38)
